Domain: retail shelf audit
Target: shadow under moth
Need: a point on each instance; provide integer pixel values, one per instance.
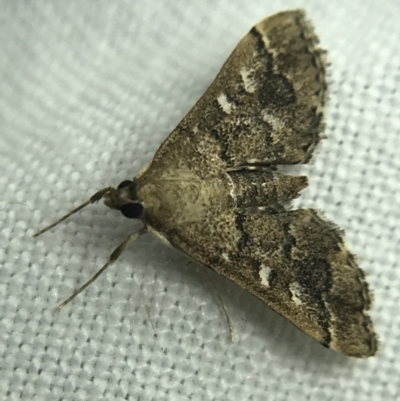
(213, 190)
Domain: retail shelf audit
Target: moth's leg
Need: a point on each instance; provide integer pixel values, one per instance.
(94, 198)
(258, 187)
(228, 320)
(150, 319)
(111, 259)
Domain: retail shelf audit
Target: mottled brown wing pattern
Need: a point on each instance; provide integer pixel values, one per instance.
(212, 190)
(294, 261)
(264, 107)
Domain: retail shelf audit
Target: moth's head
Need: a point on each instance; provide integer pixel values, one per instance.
(125, 199)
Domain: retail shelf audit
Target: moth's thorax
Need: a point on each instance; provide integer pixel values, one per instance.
(179, 199)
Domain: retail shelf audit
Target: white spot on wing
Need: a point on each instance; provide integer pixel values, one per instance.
(224, 103)
(225, 256)
(232, 188)
(267, 44)
(277, 124)
(296, 291)
(248, 81)
(265, 271)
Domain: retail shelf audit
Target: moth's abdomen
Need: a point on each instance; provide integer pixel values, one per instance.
(263, 188)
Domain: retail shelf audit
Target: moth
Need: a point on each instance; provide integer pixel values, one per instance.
(213, 189)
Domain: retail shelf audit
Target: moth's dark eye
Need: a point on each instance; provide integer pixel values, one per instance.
(132, 210)
(124, 184)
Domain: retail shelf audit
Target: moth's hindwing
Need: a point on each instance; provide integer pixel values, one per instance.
(208, 194)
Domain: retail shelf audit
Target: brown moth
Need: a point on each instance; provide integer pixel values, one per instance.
(213, 190)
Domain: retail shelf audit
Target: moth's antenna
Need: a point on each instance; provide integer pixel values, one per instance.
(95, 198)
(111, 259)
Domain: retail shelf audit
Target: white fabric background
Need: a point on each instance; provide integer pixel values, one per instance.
(88, 91)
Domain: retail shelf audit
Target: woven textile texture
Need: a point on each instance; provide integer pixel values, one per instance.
(88, 91)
